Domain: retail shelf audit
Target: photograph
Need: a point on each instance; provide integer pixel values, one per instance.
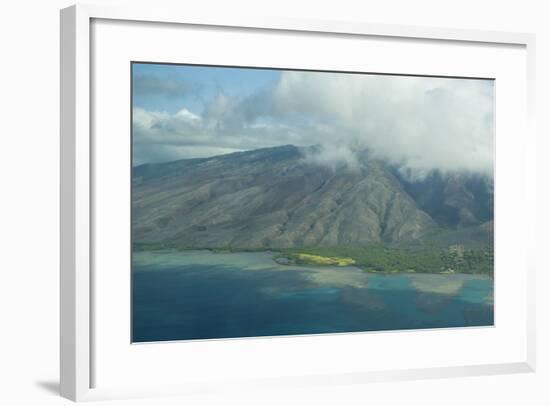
(277, 202)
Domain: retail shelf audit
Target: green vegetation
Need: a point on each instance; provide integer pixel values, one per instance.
(377, 258)
(143, 246)
(162, 246)
(301, 258)
(371, 258)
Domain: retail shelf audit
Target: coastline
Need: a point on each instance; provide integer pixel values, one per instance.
(301, 258)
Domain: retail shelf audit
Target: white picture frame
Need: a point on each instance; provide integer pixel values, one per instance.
(76, 279)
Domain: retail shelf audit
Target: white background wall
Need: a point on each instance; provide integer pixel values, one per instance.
(29, 100)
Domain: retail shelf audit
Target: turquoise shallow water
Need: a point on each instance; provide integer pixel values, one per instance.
(203, 295)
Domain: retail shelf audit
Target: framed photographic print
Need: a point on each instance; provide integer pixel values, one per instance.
(262, 203)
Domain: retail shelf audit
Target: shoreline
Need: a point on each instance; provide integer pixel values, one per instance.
(288, 261)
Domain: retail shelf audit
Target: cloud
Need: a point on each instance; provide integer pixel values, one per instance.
(161, 136)
(417, 123)
(333, 156)
(148, 85)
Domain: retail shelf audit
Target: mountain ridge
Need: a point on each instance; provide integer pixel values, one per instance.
(277, 198)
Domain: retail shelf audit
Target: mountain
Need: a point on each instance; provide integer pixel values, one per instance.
(452, 200)
(276, 198)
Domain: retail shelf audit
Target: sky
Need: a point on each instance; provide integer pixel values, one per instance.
(417, 123)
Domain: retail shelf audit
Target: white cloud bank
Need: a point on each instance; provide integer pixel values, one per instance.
(416, 122)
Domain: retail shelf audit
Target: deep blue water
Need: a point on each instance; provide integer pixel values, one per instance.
(203, 295)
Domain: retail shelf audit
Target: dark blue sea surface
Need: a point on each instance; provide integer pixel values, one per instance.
(204, 295)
